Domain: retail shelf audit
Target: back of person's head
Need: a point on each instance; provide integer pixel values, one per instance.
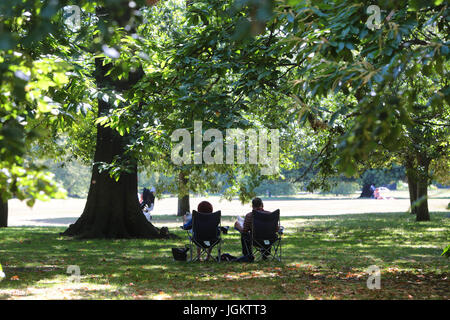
(145, 194)
(257, 203)
(205, 207)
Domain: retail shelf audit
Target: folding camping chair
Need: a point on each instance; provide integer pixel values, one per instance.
(206, 233)
(266, 235)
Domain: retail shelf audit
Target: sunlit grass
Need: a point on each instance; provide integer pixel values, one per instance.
(323, 258)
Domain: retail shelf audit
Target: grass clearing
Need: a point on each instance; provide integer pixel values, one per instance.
(324, 257)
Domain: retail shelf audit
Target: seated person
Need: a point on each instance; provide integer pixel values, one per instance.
(148, 198)
(147, 202)
(203, 207)
(245, 227)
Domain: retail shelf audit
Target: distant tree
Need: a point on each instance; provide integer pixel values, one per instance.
(3, 214)
(394, 79)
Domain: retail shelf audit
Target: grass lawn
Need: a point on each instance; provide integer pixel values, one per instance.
(323, 258)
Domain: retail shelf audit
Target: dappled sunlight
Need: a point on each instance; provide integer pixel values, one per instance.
(231, 276)
(437, 230)
(56, 287)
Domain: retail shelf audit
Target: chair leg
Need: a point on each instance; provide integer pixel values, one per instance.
(277, 254)
(280, 250)
(272, 252)
(257, 253)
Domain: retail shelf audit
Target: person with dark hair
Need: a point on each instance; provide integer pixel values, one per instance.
(203, 207)
(148, 202)
(245, 228)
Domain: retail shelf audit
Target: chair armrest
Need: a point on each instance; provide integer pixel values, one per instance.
(236, 229)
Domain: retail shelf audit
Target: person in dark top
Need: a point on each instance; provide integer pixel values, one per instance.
(148, 201)
(246, 228)
(148, 198)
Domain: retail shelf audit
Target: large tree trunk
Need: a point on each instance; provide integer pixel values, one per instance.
(3, 214)
(183, 194)
(112, 207)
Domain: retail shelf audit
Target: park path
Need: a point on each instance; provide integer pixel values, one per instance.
(65, 212)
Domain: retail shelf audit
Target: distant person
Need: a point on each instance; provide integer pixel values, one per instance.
(382, 193)
(148, 202)
(148, 198)
(377, 194)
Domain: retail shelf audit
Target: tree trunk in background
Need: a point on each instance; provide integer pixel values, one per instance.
(3, 214)
(412, 186)
(422, 213)
(183, 205)
(183, 194)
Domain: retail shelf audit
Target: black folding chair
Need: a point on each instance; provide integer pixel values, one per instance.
(206, 233)
(266, 235)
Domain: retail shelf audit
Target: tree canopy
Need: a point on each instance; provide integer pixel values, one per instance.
(342, 94)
